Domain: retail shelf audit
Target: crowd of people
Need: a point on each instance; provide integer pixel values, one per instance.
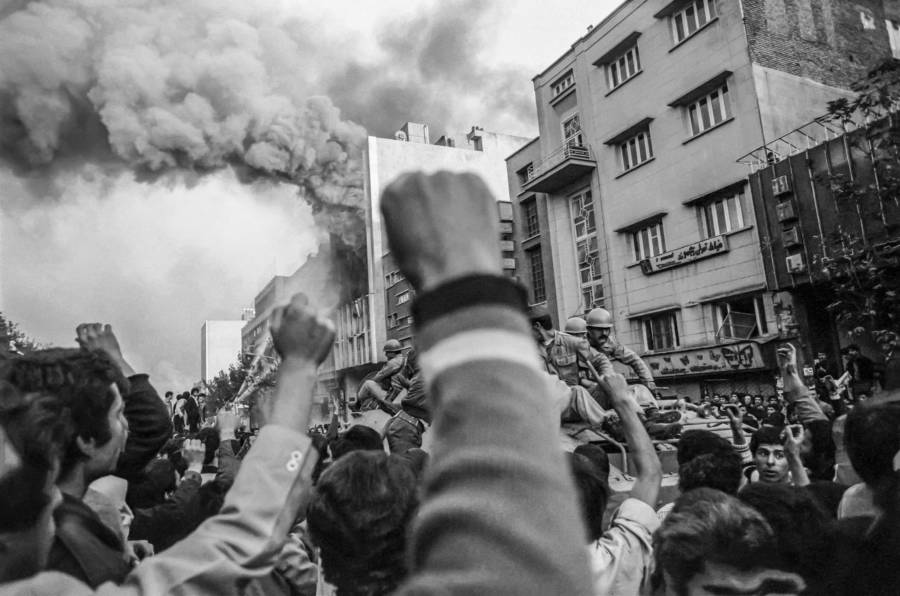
(107, 488)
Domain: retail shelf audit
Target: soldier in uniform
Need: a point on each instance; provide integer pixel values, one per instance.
(576, 326)
(599, 329)
(373, 392)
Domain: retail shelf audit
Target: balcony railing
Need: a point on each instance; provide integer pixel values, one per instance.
(559, 168)
(567, 151)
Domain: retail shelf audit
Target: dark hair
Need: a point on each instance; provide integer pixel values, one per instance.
(800, 526)
(707, 525)
(766, 435)
(872, 440)
(694, 443)
(36, 426)
(150, 489)
(358, 517)
(593, 493)
(821, 460)
(168, 393)
(358, 437)
(720, 470)
(597, 456)
(211, 440)
(81, 380)
(544, 321)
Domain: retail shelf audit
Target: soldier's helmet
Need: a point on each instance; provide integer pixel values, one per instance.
(392, 346)
(599, 317)
(576, 326)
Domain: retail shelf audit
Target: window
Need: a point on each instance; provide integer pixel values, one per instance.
(571, 127)
(636, 150)
(709, 110)
(740, 318)
(691, 18)
(526, 173)
(623, 68)
(530, 217)
(563, 83)
(587, 250)
(393, 321)
(721, 216)
(660, 331)
(536, 265)
(392, 278)
(402, 298)
(648, 242)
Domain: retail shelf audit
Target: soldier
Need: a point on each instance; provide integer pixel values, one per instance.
(599, 329)
(373, 392)
(564, 354)
(577, 326)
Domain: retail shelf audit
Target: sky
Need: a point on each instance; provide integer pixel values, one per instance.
(159, 160)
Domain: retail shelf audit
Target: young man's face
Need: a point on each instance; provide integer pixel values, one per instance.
(770, 410)
(105, 457)
(757, 401)
(771, 463)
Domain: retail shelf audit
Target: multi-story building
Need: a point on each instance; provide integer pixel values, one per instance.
(366, 322)
(220, 346)
(632, 198)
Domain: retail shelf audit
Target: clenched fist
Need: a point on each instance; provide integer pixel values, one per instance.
(441, 227)
(299, 332)
(99, 337)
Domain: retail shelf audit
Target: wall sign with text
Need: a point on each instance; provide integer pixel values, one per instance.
(686, 254)
(730, 358)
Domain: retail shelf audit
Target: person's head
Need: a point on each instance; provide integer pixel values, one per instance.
(734, 398)
(33, 434)
(357, 438)
(706, 459)
(747, 400)
(593, 493)
(576, 326)
(767, 449)
(157, 479)
(541, 323)
(852, 350)
(91, 386)
(799, 523)
(711, 543)
(757, 401)
(392, 348)
(169, 395)
(599, 326)
(718, 400)
(770, 409)
(195, 392)
(743, 409)
(872, 440)
(358, 517)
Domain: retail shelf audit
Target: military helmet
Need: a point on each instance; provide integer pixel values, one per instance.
(599, 317)
(392, 345)
(576, 325)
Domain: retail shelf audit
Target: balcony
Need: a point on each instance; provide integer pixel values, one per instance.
(559, 169)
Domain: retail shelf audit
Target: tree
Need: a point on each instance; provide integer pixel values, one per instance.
(13, 340)
(224, 387)
(865, 274)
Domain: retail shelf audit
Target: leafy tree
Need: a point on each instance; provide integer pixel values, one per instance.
(224, 387)
(865, 273)
(13, 340)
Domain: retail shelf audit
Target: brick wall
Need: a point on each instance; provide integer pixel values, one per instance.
(824, 40)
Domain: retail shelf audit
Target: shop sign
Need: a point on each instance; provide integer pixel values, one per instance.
(686, 254)
(731, 358)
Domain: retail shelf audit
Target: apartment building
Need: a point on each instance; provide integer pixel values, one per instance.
(365, 322)
(632, 198)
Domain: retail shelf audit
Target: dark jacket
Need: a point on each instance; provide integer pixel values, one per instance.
(149, 428)
(165, 524)
(85, 547)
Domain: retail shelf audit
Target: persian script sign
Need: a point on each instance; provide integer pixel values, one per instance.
(686, 254)
(731, 358)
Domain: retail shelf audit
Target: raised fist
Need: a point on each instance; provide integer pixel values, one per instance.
(441, 227)
(299, 332)
(787, 358)
(98, 337)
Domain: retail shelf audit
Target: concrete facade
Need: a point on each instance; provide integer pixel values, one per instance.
(220, 346)
(735, 60)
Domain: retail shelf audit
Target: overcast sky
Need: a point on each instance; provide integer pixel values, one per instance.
(84, 237)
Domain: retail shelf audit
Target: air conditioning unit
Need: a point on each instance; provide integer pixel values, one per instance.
(781, 185)
(785, 211)
(795, 264)
(791, 237)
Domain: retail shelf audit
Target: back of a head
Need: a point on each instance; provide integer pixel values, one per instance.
(358, 437)
(799, 523)
(81, 380)
(707, 526)
(33, 430)
(719, 469)
(593, 493)
(872, 440)
(358, 517)
(541, 316)
(694, 443)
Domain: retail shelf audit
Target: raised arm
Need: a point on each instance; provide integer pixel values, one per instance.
(629, 357)
(499, 514)
(795, 391)
(149, 424)
(647, 466)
